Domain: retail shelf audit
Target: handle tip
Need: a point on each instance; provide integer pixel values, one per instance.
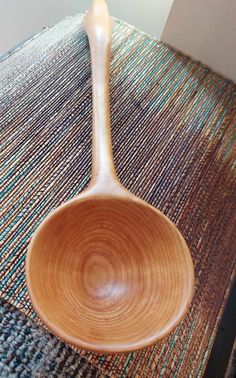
(98, 16)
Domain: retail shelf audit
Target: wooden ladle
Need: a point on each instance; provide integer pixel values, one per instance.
(106, 271)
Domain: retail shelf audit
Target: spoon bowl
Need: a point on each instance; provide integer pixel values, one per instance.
(117, 273)
(106, 271)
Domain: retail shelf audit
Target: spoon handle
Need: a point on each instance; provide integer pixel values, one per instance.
(98, 26)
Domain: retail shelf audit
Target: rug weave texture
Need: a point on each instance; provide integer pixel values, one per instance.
(28, 350)
(173, 130)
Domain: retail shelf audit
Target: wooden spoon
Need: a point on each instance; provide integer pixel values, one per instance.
(106, 271)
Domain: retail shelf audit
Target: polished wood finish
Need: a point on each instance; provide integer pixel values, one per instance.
(106, 271)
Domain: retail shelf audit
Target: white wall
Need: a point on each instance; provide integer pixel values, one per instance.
(20, 19)
(206, 30)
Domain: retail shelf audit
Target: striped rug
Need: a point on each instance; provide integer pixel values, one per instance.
(173, 129)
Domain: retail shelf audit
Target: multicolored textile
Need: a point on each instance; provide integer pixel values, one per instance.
(173, 129)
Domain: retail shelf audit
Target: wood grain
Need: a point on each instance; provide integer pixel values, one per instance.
(106, 271)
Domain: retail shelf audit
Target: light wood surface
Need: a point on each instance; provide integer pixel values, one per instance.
(106, 271)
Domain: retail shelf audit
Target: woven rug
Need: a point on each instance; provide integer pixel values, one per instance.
(173, 128)
(27, 350)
